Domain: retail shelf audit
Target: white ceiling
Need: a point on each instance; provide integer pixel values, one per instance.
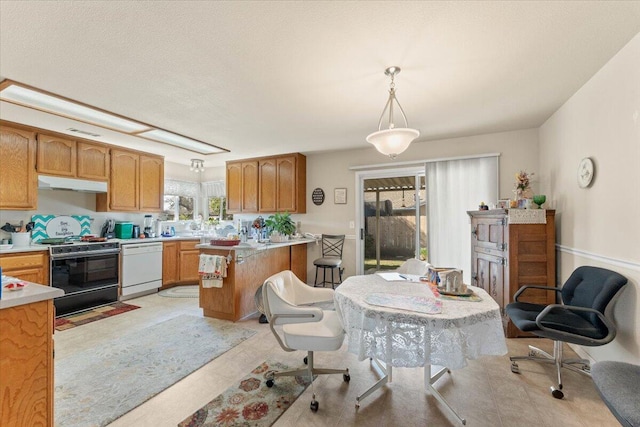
(267, 77)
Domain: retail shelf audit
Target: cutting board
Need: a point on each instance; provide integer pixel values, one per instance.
(59, 226)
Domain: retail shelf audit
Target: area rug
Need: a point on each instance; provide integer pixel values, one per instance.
(77, 319)
(251, 402)
(181, 292)
(96, 386)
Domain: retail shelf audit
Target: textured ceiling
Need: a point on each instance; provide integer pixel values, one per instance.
(262, 78)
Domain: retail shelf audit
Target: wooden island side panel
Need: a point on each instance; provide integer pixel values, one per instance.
(235, 300)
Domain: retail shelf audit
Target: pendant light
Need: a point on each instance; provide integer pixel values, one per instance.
(392, 141)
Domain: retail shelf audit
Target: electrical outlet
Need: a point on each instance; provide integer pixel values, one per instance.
(352, 225)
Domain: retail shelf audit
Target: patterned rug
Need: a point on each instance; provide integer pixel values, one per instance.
(250, 402)
(77, 319)
(191, 291)
(98, 385)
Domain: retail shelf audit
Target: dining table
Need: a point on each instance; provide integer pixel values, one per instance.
(400, 321)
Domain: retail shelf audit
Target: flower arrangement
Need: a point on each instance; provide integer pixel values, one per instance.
(523, 179)
(522, 184)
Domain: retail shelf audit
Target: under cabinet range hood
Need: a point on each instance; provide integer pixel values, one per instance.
(46, 182)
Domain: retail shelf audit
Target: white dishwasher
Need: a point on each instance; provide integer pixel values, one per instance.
(141, 268)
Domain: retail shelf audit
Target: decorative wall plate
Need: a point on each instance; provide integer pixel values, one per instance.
(318, 196)
(585, 172)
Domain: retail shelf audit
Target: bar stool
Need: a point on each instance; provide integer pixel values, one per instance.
(331, 258)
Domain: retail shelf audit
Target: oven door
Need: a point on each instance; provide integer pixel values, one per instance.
(88, 280)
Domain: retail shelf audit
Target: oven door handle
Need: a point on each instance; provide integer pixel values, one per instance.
(91, 254)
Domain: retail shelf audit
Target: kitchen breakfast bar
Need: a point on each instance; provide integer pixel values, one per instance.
(249, 267)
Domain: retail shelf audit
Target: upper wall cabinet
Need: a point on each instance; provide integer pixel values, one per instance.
(74, 159)
(18, 178)
(268, 184)
(56, 156)
(136, 183)
(93, 161)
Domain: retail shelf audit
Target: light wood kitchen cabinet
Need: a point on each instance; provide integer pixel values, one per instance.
(72, 159)
(506, 256)
(18, 177)
(268, 194)
(151, 183)
(136, 183)
(234, 187)
(189, 260)
(268, 184)
(170, 264)
(26, 365)
(29, 266)
(180, 262)
(93, 161)
(56, 155)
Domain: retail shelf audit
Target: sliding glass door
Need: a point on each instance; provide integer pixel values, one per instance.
(393, 220)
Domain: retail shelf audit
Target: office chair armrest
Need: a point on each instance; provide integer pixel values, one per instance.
(611, 328)
(525, 287)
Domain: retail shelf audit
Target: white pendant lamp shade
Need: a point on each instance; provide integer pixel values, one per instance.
(392, 141)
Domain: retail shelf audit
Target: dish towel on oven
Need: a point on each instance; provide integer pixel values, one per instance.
(212, 268)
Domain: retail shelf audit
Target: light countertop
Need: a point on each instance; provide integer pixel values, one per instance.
(37, 247)
(257, 246)
(31, 293)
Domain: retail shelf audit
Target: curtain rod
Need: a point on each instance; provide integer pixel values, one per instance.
(421, 162)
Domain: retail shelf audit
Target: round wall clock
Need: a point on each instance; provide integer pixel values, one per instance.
(317, 196)
(585, 172)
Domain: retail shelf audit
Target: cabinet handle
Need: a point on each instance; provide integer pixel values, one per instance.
(475, 278)
(494, 287)
(475, 232)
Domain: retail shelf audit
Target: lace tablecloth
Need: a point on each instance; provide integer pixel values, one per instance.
(464, 330)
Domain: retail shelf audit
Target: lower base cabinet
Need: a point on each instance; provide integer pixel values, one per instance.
(180, 261)
(26, 365)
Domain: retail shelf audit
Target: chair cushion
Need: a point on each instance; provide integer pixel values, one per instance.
(617, 383)
(328, 262)
(325, 335)
(524, 315)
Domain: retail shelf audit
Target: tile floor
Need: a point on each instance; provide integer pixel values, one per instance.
(486, 393)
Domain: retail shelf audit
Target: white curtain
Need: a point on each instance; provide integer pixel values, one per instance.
(173, 187)
(453, 188)
(213, 189)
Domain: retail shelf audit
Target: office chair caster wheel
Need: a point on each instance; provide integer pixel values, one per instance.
(346, 377)
(558, 394)
(515, 368)
(306, 360)
(314, 404)
(270, 383)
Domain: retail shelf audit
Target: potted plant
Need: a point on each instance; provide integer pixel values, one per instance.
(281, 226)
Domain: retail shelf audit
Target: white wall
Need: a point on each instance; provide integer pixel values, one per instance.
(600, 225)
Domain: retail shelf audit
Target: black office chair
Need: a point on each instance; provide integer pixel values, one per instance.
(582, 318)
(331, 259)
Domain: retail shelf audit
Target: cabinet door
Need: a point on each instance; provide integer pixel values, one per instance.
(26, 364)
(18, 178)
(151, 183)
(268, 186)
(93, 161)
(488, 274)
(32, 267)
(234, 187)
(189, 262)
(287, 185)
(489, 233)
(124, 192)
(56, 156)
(250, 186)
(170, 263)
